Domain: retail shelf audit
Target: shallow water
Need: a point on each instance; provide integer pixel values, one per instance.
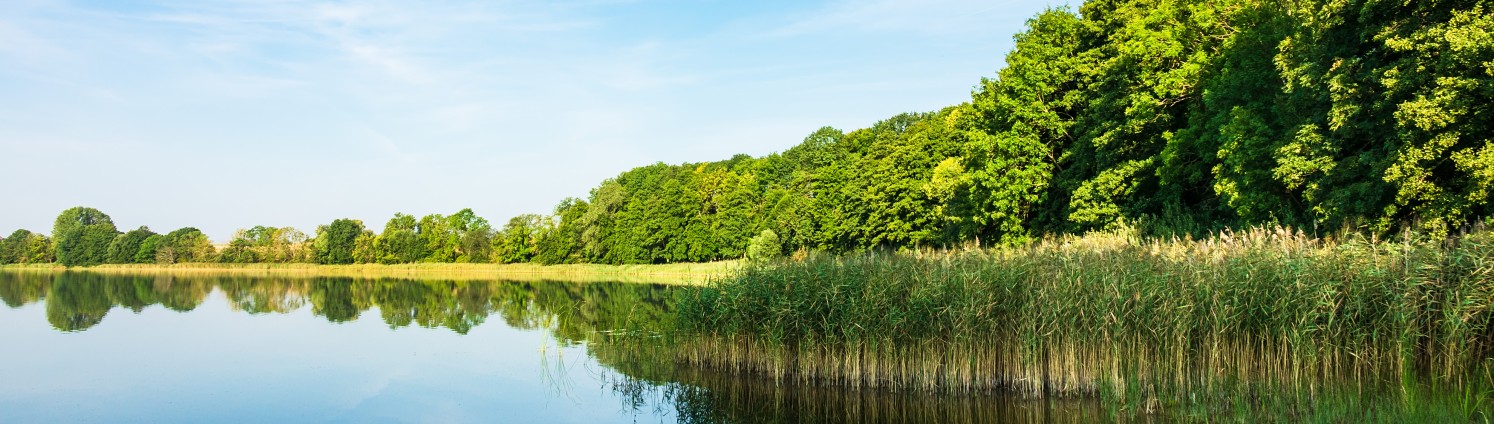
(84, 347)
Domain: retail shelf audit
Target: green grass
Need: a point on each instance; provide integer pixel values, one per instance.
(1144, 323)
(675, 274)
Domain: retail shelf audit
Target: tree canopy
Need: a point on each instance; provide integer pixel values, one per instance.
(83, 236)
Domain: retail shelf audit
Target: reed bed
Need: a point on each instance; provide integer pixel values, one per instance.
(1110, 315)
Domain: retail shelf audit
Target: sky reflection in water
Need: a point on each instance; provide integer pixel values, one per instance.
(93, 348)
(216, 363)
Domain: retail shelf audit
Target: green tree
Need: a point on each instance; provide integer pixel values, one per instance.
(10, 247)
(240, 250)
(124, 247)
(439, 238)
(515, 243)
(473, 236)
(26, 247)
(148, 249)
(598, 224)
(185, 245)
(562, 243)
(1392, 112)
(365, 248)
(83, 236)
(400, 241)
(335, 242)
(1015, 128)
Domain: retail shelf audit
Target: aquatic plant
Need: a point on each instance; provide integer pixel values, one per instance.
(1109, 314)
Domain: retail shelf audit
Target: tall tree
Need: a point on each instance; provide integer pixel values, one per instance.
(400, 241)
(82, 236)
(473, 236)
(335, 242)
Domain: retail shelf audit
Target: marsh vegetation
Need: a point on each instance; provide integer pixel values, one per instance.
(1246, 318)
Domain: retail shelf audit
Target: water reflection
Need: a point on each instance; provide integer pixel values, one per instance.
(706, 397)
(610, 323)
(77, 301)
(589, 317)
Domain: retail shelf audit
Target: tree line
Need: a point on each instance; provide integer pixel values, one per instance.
(1181, 116)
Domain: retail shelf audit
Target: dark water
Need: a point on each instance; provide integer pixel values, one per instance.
(82, 347)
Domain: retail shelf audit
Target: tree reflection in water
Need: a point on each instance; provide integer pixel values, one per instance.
(77, 301)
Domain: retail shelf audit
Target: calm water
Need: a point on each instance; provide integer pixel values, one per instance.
(84, 347)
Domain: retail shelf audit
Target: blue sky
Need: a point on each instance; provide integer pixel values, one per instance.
(228, 114)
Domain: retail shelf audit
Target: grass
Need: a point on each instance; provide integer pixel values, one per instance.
(674, 274)
(1138, 322)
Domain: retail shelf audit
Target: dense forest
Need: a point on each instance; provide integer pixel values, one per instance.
(1178, 116)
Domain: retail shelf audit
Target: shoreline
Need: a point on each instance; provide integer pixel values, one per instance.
(677, 274)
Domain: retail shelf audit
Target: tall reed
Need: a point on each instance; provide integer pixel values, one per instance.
(1108, 314)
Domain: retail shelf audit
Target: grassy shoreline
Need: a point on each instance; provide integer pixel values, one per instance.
(671, 274)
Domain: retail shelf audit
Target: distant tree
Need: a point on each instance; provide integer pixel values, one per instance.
(599, 223)
(10, 247)
(562, 243)
(474, 236)
(83, 236)
(240, 250)
(183, 246)
(439, 238)
(148, 249)
(25, 247)
(124, 247)
(400, 242)
(335, 242)
(365, 250)
(267, 244)
(516, 242)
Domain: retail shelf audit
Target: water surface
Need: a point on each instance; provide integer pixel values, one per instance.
(84, 347)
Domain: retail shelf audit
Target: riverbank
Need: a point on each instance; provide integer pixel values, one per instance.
(671, 274)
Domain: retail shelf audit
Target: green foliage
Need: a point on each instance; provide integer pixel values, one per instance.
(1394, 111)
(184, 245)
(83, 236)
(124, 247)
(765, 246)
(267, 244)
(365, 248)
(400, 241)
(561, 243)
(517, 241)
(439, 238)
(335, 242)
(148, 249)
(1015, 128)
(25, 247)
(473, 236)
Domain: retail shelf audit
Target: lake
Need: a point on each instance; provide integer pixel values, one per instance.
(84, 347)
